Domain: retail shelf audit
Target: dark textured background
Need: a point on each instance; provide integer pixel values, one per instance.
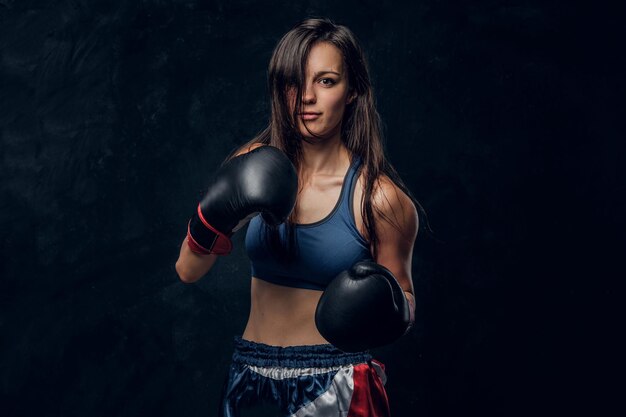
(503, 117)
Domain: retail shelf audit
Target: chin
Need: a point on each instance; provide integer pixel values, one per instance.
(311, 139)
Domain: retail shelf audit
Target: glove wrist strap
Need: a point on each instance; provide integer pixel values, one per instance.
(204, 239)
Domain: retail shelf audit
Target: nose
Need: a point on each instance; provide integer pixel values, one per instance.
(308, 95)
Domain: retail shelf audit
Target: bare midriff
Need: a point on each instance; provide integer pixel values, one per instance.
(282, 316)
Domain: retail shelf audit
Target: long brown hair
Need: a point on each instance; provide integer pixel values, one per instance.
(361, 126)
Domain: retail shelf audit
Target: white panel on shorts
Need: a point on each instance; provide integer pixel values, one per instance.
(380, 371)
(335, 402)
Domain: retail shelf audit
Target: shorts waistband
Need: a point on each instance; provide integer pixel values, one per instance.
(260, 354)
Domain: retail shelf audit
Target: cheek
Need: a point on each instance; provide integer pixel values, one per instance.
(338, 106)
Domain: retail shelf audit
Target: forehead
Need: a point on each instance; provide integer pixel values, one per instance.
(324, 56)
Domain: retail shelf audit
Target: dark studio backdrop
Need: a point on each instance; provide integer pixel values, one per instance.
(503, 118)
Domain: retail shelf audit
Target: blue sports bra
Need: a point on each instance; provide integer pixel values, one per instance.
(325, 248)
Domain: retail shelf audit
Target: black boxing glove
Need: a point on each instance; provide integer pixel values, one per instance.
(363, 308)
(263, 180)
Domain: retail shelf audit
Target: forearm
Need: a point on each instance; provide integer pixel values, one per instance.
(191, 266)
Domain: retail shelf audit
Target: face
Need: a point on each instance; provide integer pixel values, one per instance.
(325, 93)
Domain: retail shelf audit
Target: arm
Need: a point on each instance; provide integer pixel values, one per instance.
(192, 266)
(396, 231)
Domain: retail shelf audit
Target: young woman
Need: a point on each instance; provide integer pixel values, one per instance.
(331, 248)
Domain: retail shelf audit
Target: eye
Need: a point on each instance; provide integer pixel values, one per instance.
(327, 81)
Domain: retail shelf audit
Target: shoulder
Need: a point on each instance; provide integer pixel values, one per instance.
(394, 210)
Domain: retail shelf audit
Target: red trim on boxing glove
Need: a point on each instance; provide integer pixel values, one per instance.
(194, 246)
(221, 245)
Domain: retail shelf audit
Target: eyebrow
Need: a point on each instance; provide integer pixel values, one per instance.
(317, 74)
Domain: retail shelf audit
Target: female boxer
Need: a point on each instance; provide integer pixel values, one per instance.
(330, 237)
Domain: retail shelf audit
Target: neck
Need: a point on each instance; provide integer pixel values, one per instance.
(328, 156)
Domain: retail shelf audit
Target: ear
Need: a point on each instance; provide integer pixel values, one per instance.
(351, 98)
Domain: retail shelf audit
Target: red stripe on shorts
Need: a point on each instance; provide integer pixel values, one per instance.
(369, 398)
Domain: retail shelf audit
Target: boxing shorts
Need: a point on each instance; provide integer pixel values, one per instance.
(299, 381)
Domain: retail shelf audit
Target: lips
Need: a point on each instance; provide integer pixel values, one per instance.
(309, 115)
